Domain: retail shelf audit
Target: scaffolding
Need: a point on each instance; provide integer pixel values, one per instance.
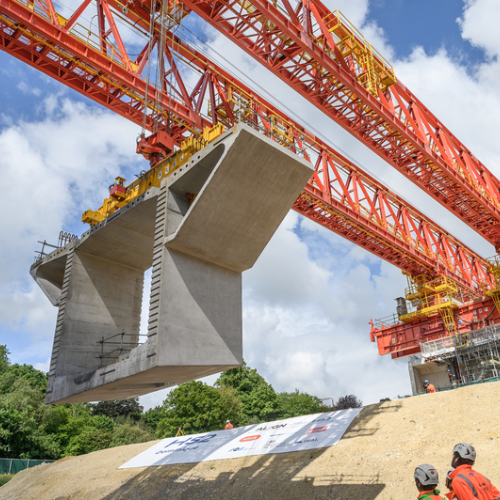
(477, 353)
(479, 358)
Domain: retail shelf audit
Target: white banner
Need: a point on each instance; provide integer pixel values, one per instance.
(293, 434)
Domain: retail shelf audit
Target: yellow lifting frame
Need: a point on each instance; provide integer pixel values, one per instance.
(153, 177)
(431, 297)
(375, 72)
(494, 292)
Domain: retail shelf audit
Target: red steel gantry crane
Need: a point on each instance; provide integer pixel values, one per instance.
(324, 58)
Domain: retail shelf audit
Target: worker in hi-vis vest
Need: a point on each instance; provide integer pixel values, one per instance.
(451, 494)
(429, 387)
(427, 479)
(229, 425)
(466, 483)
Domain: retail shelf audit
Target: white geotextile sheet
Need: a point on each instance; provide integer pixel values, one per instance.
(299, 433)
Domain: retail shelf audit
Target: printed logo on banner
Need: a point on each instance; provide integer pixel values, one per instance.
(273, 443)
(238, 448)
(271, 427)
(303, 441)
(322, 419)
(317, 429)
(249, 438)
(186, 443)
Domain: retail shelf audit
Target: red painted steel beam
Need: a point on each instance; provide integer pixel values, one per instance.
(340, 196)
(299, 48)
(403, 339)
(102, 75)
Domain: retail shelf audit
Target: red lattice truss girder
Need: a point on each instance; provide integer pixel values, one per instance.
(296, 45)
(339, 196)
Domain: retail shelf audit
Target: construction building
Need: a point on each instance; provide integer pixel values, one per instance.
(457, 360)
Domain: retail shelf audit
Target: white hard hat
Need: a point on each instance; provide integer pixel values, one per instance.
(465, 450)
(426, 474)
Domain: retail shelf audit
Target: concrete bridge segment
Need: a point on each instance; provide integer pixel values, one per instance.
(243, 184)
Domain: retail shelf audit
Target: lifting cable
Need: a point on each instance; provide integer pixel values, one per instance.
(148, 71)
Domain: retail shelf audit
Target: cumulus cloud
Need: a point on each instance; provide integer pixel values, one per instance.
(53, 169)
(479, 25)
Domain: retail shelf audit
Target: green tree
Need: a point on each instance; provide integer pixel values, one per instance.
(129, 434)
(25, 420)
(21, 435)
(124, 407)
(293, 404)
(4, 358)
(36, 378)
(151, 417)
(258, 397)
(349, 401)
(97, 434)
(90, 439)
(196, 407)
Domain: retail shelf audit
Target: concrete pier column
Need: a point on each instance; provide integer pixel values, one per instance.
(105, 300)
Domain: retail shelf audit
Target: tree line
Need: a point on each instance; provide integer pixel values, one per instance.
(31, 429)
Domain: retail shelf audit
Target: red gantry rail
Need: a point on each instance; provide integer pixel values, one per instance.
(328, 62)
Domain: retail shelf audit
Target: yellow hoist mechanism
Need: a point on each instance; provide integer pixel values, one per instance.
(494, 292)
(121, 195)
(427, 297)
(372, 71)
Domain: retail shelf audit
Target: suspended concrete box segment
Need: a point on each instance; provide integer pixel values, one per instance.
(207, 223)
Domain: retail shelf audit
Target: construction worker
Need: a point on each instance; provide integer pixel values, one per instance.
(467, 483)
(229, 425)
(426, 479)
(429, 387)
(451, 494)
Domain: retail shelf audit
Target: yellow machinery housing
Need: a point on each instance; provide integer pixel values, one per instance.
(494, 292)
(428, 297)
(121, 195)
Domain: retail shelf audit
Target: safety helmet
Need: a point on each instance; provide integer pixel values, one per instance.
(426, 382)
(466, 451)
(227, 421)
(426, 474)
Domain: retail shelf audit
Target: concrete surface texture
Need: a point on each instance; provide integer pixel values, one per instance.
(375, 460)
(207, 223)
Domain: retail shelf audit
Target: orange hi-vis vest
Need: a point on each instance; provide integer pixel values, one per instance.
(469, 484)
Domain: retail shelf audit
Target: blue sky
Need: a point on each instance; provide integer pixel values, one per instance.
(308, 300)
(427, 23)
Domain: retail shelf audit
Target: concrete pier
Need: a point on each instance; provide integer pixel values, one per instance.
(207, 223)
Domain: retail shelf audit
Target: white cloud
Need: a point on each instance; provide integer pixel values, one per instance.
(52, 170)
(480, 25)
